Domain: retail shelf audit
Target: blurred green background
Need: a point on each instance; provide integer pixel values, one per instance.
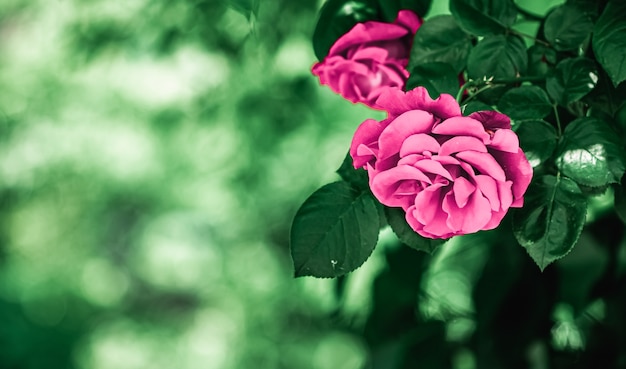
(152, 155)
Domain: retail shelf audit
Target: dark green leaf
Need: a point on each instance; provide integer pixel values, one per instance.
(567, 27)
(537, 139)
(440, 39)
(572, 79)
(620, 200)
(390, 8)
(541, 59)
(246, 7)
(591, 153)
(589, 7)
(334, 231)
(497, 56)
(406, 234)
(609, 40)
(336, 18)
(356, 177)
(484, 17)
(525, 102)
(551, 220)
(605, 97)
(437, 77)
(474, 106)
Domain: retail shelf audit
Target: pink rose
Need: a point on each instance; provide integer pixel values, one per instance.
(452, 174)
(372, 56)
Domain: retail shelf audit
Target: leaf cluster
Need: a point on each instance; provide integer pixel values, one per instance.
(563, 88)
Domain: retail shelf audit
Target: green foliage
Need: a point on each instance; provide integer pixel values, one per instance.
(336, 18)
(390, 8)
(249, 8)
(481, 17)
(437, 77)
(567, 27)
(551, 220)
(440, 40)
(334, 232)
(609, 40)
(525, 102)
(357, 178)
(538, 139)
(572, 79)
(541, 60)
(556, 68)
(498, 56)
(591, 153)
(397, 222)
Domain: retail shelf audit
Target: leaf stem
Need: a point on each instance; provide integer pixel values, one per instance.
(489, 83)
(558, 120)
(521, 34)
(466, 85)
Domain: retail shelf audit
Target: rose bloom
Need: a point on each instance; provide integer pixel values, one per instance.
(452, 174)
(372, 56)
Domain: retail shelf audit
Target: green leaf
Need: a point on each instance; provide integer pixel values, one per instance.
(572, 79)
(537, 139)
(334, 231)
(567, 27)
(609, 40)
(406, 234)
(525, 102)
(551, 220)
(620, 200)
(358, 178)
(337, 17)
(607, 98)
(390, 8)
(590, 153)
(484, 17)
(440, 39)
(497, 56)
(541, 59)
(474, 106)
(437, 77)
(248, 8)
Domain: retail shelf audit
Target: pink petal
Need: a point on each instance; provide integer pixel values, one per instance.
(408, 19)
(484, 162)
(417, 144)
(396, 102)
(442, 230)
(427, 202)
(405, 125)
(505, 140)
(410, 159)
(385, 184)
(462, 126)
(367, 135)
(371, 53)
(367, 32)
(446, 160)
(496, 218)
(462, 189)
(488, 186)
(347, 88)
(505, 195)
(492, 119)
(517, 169)
(462, 143)
(472, 217)
(434, 167)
